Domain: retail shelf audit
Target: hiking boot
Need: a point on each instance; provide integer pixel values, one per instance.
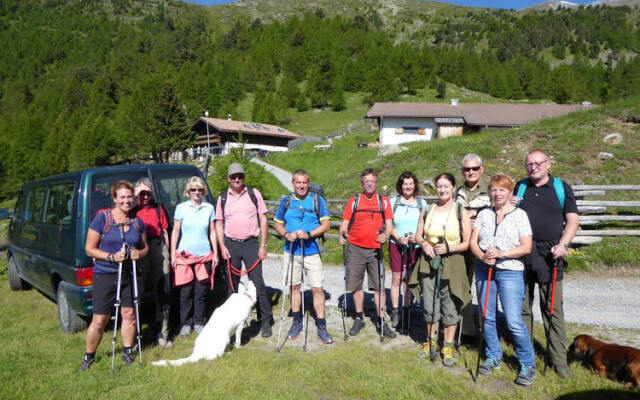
(429, 350)
(324, 335)
(489, 365)
(386, 331)
(294, 331)
(184, 332)
(526, 375)
(447, 355)
(128, 357)
(564, 372)
(198, 328)
(395, 317)
(358, 324)
(86, 363)
(265, 330)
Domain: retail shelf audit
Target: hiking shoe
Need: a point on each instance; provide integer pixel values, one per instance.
(386, 331)
(324, 335)
(184, 332)
(265, 330)
(447, 355)
(564, 372)
(198, 328)
(86, 363)
(128, 357)
(358, 324)
(294, 331)
(489, 365)
(526, 375)
(395, 317)
(428, 350)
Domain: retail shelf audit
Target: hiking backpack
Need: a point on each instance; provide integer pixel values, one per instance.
(317, 193)
(354, 208)
(557, 185)
(252, 196)
(397, 200)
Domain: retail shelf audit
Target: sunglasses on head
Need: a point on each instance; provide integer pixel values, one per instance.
(193, 190)
(144, 193)
(467, 169)
(236, 176)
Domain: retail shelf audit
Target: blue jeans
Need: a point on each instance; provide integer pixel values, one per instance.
(509, 285)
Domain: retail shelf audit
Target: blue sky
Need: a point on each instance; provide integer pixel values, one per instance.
(475, 3)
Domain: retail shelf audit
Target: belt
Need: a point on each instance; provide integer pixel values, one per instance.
(241, 240)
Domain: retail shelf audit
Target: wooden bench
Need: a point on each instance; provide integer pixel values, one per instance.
(321, 147)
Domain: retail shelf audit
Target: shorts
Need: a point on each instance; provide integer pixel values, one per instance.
(395, 257)
(359, 260)
(313, 271)
(104, 291)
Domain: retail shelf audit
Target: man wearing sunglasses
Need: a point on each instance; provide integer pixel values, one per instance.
(473, 196)
(238, 223)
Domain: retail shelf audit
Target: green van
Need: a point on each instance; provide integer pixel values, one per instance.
(49, 226)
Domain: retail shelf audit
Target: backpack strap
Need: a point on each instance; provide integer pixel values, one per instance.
(559, 188)
(459, 216)
(108, 221)
(354, 207)
(522, 187)
(395, 204)
(419, 200)
(223, 202)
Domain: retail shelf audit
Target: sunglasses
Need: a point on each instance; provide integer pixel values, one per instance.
(467, 169)
(236, 176)
(144, 193)
(193, 190)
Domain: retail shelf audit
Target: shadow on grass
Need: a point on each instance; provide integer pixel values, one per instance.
(618, 394)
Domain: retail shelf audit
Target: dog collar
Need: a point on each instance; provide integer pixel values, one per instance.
(247, 294)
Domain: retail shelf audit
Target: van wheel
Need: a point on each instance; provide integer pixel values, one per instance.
(69, 321)
(15, 282)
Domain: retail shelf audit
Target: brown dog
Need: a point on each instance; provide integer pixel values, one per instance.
(621, 363)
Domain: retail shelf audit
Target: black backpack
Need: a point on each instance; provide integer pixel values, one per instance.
(252, 195)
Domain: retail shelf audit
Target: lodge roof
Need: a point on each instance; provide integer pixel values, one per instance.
(481, 114)
(247, 128)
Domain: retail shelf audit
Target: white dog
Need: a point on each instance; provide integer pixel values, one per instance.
(228, 318)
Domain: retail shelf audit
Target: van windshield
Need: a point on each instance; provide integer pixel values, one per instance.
(170, 186)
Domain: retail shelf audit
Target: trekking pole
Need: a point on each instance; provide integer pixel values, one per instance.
(436, 295)
(484, 315)
(344, 298)
(115, 322)
(381, 286)
(302, 281)
(403, 286)
(284, 297)
(136, 306)
(548, 330)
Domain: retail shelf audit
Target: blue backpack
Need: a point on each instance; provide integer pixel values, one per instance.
(557, 185)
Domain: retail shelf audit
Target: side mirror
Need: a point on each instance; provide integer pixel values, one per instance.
(4, 213)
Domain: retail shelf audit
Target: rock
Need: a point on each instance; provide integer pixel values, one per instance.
(428, 183)
(390, 149)
(613, 138)
(605, 156)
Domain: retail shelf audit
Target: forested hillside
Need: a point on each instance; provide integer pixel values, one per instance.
(85, 83)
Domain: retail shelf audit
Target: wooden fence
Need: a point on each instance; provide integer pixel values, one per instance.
(594, 214)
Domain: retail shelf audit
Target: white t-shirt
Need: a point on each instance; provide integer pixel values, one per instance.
(505, 236)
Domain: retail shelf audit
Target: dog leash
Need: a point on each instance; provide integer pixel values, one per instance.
(238, 271)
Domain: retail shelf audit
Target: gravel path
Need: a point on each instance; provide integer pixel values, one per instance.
(611, 301)
(283, 176)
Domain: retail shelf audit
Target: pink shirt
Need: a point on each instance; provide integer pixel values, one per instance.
(240, 215)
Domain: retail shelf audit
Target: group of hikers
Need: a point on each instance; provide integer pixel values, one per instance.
(509, 236)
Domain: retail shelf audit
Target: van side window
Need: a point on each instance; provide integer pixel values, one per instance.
(100, 196)
(59, 204)
(35, 201)
(19, 209)
(170, 187)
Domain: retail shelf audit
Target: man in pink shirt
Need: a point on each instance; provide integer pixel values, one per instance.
(240, 217)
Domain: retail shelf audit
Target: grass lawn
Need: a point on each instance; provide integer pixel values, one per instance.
(38, 360)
